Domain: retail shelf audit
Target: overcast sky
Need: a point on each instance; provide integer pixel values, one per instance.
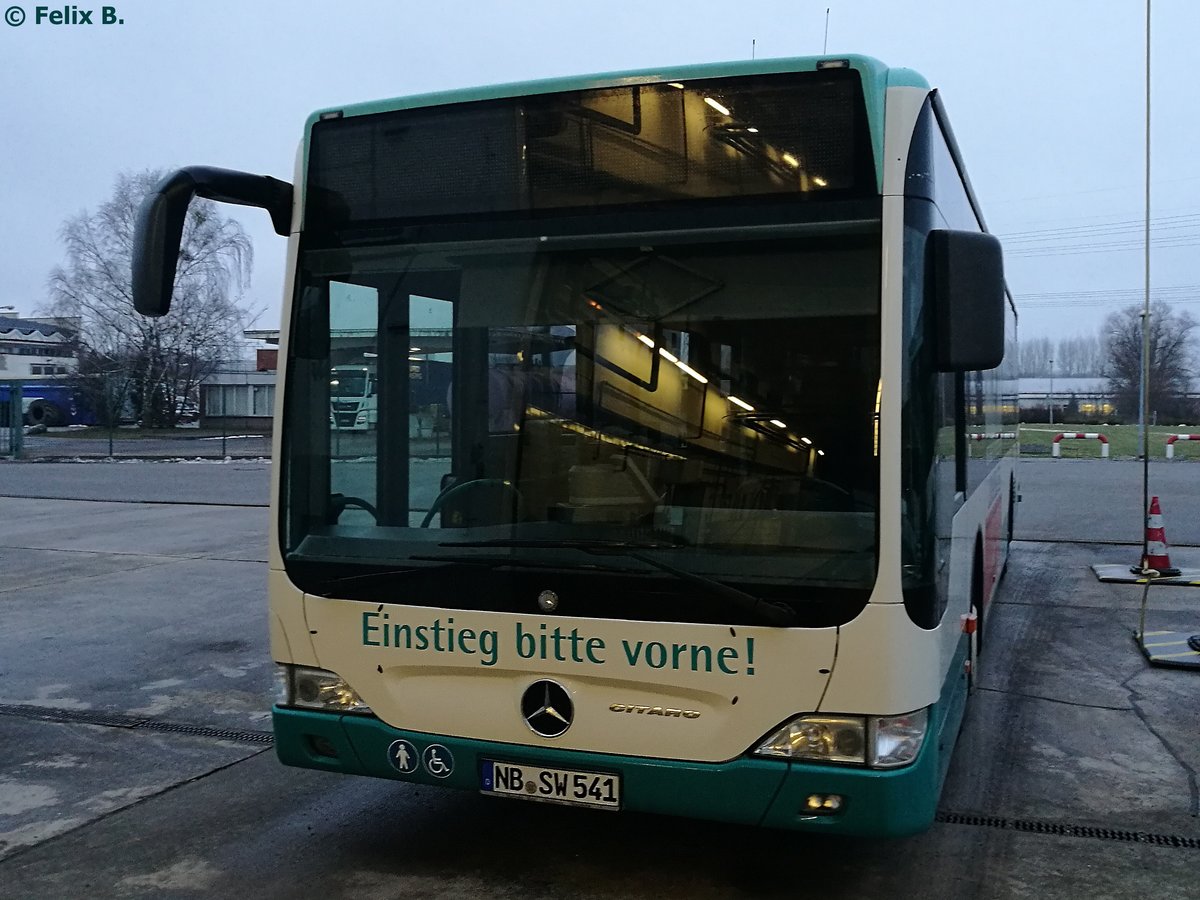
(1046, 99)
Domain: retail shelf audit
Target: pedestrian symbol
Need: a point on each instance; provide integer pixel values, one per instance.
(438, 761)
(403, 757)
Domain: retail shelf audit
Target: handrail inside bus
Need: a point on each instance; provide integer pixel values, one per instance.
(621, 239)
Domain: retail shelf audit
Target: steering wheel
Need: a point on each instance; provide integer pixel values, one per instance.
(465, 486)
(339, 503)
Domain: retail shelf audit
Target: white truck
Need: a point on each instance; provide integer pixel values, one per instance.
(353, 401)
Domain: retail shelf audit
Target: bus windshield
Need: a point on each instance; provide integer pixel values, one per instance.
(714, 402)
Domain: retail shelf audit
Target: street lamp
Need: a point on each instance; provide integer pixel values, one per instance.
(1050, 396)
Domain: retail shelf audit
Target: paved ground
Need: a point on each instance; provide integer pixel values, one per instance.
(233, 483)
(120, 619)
(1101, 500)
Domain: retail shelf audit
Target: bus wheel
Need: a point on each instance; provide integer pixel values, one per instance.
(43, 412)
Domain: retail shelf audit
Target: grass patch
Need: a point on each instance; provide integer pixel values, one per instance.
(1036, 440)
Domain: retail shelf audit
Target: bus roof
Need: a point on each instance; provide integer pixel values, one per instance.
(876, 78)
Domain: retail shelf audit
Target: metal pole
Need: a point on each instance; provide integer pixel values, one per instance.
(1144, 402)
(109, 412)
(1050, 396)
(825, 47)
(16, 421)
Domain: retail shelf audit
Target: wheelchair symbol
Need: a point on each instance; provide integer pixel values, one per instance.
(439, 762)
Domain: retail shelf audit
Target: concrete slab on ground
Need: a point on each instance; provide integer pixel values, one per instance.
(1124, 575)
(1075, 774)
(55, 778)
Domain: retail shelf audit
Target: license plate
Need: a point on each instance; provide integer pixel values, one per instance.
(596, 789)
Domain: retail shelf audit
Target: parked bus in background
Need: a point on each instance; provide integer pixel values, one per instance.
(710, 534)
(51, 403)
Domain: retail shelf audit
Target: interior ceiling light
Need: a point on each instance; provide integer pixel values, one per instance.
(737, 401)
(686, 368)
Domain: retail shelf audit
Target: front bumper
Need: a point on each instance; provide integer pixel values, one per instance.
(746, 790)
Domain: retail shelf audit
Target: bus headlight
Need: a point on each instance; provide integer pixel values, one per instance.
(836, 739)
(896, 740)
(309, 688)
(880, 742)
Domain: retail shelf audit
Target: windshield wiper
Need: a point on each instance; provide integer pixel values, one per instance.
(445, 563)
(769, 612)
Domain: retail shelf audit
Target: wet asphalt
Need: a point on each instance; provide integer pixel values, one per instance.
(132, 600)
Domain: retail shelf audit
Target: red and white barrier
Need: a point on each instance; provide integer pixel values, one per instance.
(1056, 447)
(1179, 437)
(994, 436)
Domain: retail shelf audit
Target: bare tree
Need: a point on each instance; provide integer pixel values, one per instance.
(1078, 356)
(164, 359)
(1035, 357)
(1171, 359)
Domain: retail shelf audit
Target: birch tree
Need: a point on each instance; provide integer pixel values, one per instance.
(159, 361)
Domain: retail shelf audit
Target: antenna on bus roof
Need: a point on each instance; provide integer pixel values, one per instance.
(825, 47)
(752, 42)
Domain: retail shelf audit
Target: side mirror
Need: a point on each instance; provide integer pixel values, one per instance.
(160, 224)
(965, 281)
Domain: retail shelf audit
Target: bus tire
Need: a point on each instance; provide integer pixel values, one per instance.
(43, 412)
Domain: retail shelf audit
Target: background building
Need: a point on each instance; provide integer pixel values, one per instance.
(36, 348)
(240, 395)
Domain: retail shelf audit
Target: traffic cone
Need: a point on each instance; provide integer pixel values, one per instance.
(1156, 557)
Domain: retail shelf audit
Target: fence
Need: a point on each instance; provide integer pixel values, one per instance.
(240, 428)
(12, 414)
(1056, 447)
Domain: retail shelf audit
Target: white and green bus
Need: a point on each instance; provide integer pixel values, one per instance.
(724, 479)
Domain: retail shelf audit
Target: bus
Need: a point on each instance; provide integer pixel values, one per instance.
(51, 402)
(728, 478)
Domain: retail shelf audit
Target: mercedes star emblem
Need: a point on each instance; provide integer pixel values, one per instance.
(547, 709)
